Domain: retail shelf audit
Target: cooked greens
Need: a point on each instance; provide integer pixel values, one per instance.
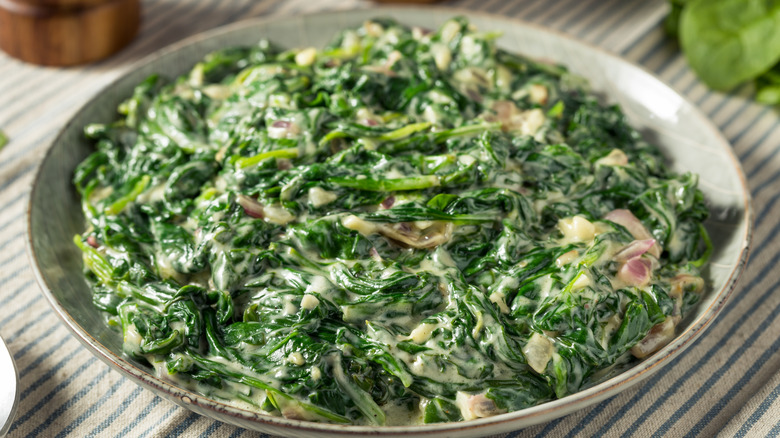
(403, 227)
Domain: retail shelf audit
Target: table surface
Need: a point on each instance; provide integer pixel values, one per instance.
(727, 382)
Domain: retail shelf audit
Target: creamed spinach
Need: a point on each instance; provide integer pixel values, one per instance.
(403, 227)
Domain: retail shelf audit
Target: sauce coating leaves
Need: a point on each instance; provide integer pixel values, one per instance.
(405, 226)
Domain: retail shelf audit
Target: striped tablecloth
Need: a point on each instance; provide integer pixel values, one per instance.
(728, 382)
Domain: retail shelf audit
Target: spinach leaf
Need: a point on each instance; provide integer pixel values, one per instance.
(730, 41)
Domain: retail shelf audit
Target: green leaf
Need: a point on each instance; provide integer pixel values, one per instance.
(245, 162)
(388, 185)
(439, 410)
(117, 206)
(768, 87)
(730, 41)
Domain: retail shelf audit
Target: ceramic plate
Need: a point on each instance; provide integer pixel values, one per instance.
(664, 117)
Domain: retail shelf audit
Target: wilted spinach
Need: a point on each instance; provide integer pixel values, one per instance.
(403, 222)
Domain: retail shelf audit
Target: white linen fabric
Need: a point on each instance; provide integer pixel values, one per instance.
(726, 383)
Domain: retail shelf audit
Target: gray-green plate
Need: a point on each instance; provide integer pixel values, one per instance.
(667, 119)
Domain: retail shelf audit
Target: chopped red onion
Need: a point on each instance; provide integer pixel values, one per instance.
(283, 129)
(423, 30)
(634, 226)
(630, 222)
(482, 406)
(635, 272)
(283, 164)
(474, 95)
(388, 202)
(503, 109)
(92, 241)
(251, 206)
(368, 122)
(634, 249)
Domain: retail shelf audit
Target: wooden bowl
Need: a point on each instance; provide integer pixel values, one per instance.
(66, 32)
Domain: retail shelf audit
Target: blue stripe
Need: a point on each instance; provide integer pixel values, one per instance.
(487, 7)
(515, 433)
(689, 89)
(598, 409)
(711, 114)
(243, 11)
(534, 14)
(764, 161)
(11, 202)
(19, 240)
(660, 44)
(609, 30)
(41, 92)
(16, 257)
(525, 11)
(734, 358)
(16, 77)
(54, 347)
(183, 425)
(549, 427)
(722, 127)
(49, 374)
(27, 326)
(18, 354)
(63, 407)
(39, 84)
(239, 431)
(744, 155)
(124, 432)
(515, 11)
(213, 427)
(20, 309)
(680, 73)
(13, 159)
(744, 88)
(606, 9)
(91, 410)
(114, 415)
(671, 56)
(575, 13)
(759, 412)
(766, 212)
(10, 295)
(775, 431)
(736, 139)
(13, 294)
(161, 419)
(651, 34)
(51, 395)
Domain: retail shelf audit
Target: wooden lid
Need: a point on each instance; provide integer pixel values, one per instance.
(66, 32)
